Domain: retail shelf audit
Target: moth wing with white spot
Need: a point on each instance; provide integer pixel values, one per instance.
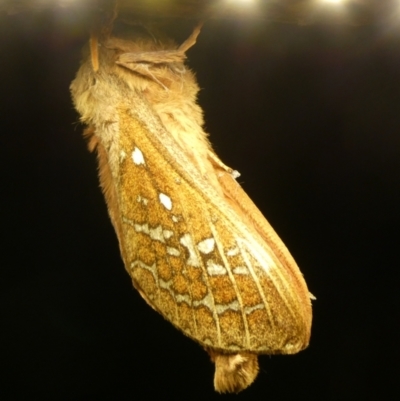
(200, 259)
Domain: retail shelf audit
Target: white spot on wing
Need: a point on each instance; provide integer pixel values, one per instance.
(232, 252)
(240, 270)
(221, 308)
(214, 269)
(138, 263)
(140, 199)
(207, 301)
(168, 234)
(179, 298)
(137, 156)
(206, 246)
(142, 228)
(165, 201)
(187, 241)
(251, 309)
(154, 233)
(157, 234)
(173, 251)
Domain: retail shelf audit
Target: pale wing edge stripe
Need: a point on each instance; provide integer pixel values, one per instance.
(281, 283)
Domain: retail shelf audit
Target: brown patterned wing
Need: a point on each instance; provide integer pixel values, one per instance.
(195, 259)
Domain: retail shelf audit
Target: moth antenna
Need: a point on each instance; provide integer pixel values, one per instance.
(146, 26)
(103, 26)
(191, 40)
(108, 25)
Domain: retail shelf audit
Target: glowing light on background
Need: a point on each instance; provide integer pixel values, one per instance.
(240, 1)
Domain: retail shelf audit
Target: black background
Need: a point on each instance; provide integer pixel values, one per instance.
(308, 115)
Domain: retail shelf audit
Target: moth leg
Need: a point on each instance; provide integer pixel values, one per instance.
(218, 163)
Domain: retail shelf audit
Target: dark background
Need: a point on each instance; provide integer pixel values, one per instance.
(310, 117)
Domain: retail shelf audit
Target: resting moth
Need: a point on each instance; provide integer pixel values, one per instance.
(196, 247)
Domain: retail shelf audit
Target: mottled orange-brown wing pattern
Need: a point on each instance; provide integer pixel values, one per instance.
(204, 272)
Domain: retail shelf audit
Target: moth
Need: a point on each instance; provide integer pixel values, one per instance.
(195, 246)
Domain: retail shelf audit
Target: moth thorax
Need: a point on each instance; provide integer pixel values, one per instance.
(234, 372)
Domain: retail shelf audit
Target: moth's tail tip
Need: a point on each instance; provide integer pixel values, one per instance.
(234, 372)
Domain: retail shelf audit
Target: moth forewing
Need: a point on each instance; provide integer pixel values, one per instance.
(197, 248)
(252, 219)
